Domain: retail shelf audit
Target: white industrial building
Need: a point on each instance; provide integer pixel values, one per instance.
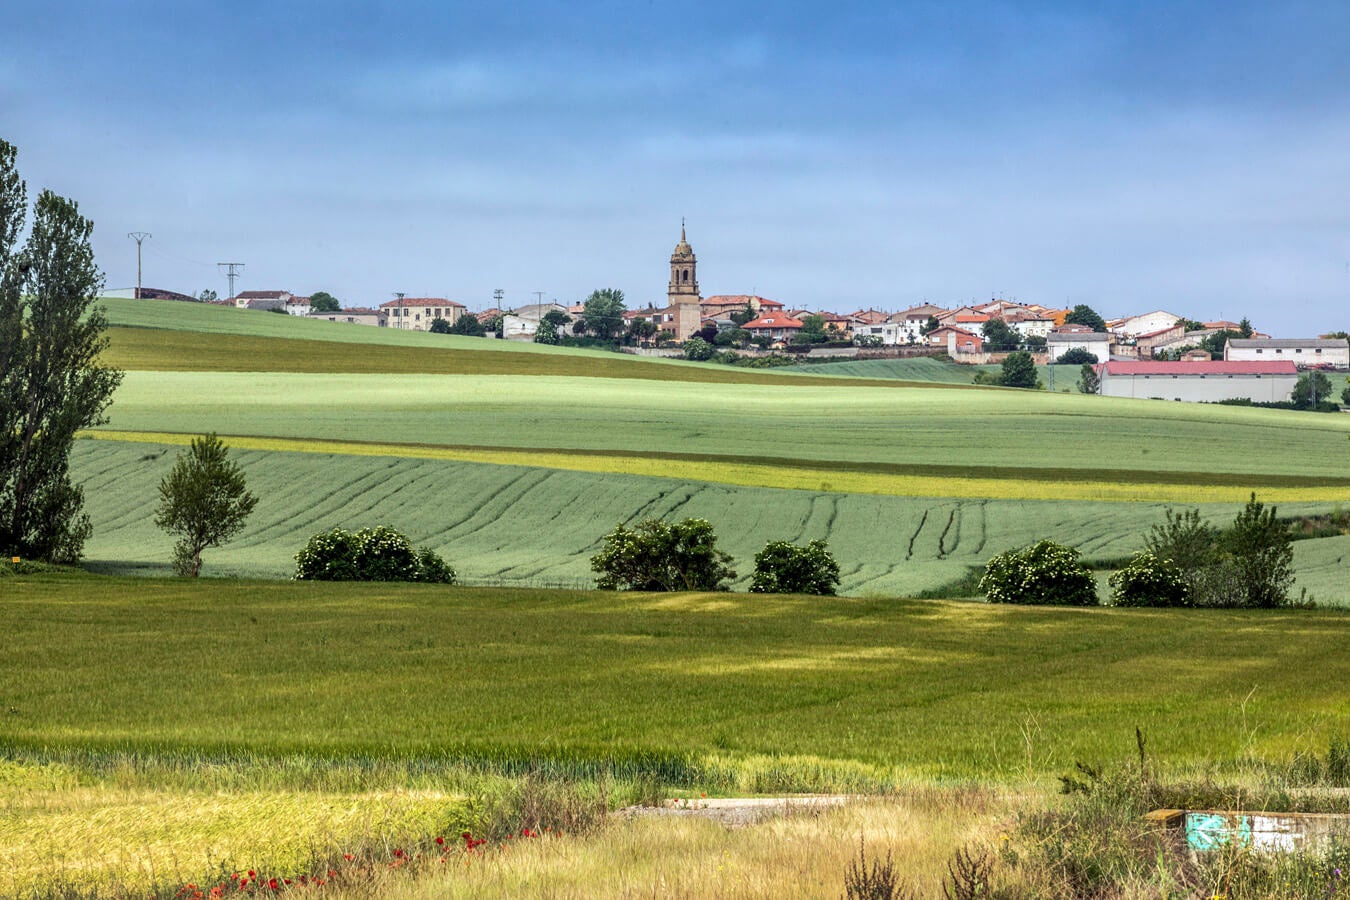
(1304, 352)
(1199, 381)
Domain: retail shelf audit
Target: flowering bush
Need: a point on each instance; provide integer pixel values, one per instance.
(784, 568)
(371, 554)
(1044, 573)
(1149, 581)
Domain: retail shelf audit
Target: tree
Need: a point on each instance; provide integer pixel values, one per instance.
(1245, 328)
(1019, 370)
(603, 312)
(441, 326)
(1075, 356)
(784, 568)
(1192, 325)
(1043, 573)
(1034, 342)
(322, 301)
(697, 349)
(813, 329)
(1089, 382)
(51, 382)
(1082, 314)
(557, 317)
(1311, 389)
(999, 337)
(203, 500)
(1214, 343)
(741, 316)
(547, 333)
(641, 329)
(1260, 548)
(208, 296)
(931, 325)
(662, 556)
(1345, 396)
(468, 325)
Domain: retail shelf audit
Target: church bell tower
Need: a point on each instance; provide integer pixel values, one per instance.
(683, 273)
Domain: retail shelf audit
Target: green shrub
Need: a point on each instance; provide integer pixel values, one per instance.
(697, 349)
(1044, 573)
(1149, 581)
(662, 556)
(371, 554)
(784, 568)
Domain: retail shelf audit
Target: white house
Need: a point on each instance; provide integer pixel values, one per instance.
(1058, 343)
(1199, 381)
(417, 313)
(1303, 352)
(1148, 323)
(523, 323)
(264, 299)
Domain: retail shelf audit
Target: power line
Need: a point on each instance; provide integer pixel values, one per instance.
(230, 273)
(138, 237)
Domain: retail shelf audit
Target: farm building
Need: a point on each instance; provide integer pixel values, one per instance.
(1304, 352)
(353, 316)
(1061, 341)
(1199, 381)
(417, 313)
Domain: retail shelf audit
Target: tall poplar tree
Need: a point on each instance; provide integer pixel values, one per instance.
(51, 381)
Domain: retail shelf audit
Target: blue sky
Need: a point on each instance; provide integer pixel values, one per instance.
(1132, 156)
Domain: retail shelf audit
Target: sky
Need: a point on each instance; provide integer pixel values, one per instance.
(1192, 157)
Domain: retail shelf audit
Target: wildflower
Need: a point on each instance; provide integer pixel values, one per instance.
(347, 856)
(440, 841)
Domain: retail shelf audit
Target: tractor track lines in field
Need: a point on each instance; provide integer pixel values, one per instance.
(953, 518)
(909, 550)
(490, 510)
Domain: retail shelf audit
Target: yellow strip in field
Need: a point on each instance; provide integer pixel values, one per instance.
(751, 474)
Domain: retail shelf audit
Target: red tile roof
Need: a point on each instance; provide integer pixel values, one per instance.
(1201, 367)
(420, 301)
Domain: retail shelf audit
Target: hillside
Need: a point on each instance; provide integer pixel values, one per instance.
(512, 462)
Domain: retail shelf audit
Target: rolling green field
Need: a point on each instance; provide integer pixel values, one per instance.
(708, 688)
(512, 459)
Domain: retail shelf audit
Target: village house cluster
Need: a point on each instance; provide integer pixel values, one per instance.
(1157, 354)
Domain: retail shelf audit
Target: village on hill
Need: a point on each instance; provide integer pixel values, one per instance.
(1157, 354)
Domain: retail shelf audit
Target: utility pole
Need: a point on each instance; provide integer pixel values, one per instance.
(497, 296)
(231, 273)
(400, 295)
(538, 297)
(138, 237)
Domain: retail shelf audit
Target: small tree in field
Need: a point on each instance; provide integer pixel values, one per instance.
(1258, 544)
(697, 349)
(662, 556)
(1044, 573)
(203, 501)
(1019, 371)
(784, 568)
(1088, 380)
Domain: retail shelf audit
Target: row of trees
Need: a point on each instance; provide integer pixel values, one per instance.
(1186, 562)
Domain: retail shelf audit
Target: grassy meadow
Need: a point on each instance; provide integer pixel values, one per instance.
(160, 732)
